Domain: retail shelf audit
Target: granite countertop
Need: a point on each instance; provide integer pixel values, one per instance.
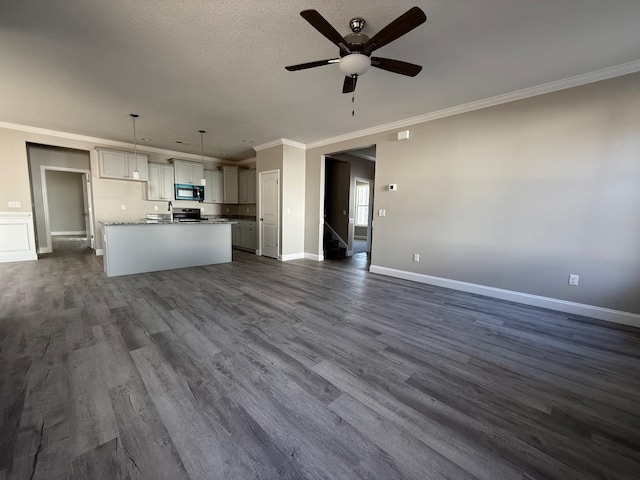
(159, 222)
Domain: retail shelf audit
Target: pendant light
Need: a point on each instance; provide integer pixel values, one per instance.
(136, 172)
(203, 181)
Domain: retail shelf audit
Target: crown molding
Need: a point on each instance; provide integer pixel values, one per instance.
(575, 81)
(101, 142)
(278, 142)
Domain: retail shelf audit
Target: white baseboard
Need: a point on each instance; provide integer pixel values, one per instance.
(311, 256)
(99, 252)
(607, 314)
(45, 250)
(54, 234)
(18, 257)
(291, 256)
(349, 253)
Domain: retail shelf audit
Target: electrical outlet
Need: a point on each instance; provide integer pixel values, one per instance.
(289, 211)
(574, 280)
(15, 204)
(227, 210)
(382, 213)
(416, 257)
(155, 207)
(124, 207)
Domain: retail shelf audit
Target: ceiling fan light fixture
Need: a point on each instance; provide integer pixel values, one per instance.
(355, 64)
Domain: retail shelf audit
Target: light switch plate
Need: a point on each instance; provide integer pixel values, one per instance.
(382, 213)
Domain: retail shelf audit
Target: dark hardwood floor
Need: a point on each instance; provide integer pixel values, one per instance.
(302, 370)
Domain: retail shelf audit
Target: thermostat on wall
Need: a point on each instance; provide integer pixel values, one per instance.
(393, 187)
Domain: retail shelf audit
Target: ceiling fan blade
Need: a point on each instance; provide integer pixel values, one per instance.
(396, 66)
(319, 63)
(349, 84)
(401, 25)
(318, 22)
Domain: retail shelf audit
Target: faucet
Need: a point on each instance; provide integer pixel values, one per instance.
(171, 210)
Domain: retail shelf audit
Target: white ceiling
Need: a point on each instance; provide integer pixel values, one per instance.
(82, 66)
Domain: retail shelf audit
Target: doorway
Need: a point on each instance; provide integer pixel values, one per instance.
(60, 180)
(349, 180)
(66, 194)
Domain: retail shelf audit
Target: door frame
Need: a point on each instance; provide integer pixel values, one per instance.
(86, 175)
(369, 213)
(259, 199)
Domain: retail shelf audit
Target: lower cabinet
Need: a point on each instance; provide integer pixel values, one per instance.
(244, 235)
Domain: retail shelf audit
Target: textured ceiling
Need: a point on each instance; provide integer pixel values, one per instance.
(82, 66)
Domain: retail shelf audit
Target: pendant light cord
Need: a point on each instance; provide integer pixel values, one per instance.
(202, 132)
(135, 141)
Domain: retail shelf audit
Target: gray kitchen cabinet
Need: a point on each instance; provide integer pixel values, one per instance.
(121, 165)
(190, 173)
(160, 186)
(214, 189)
(247, 186)
(230, 175)
(244, 235)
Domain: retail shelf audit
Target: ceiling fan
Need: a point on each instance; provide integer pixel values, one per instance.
(356, 48)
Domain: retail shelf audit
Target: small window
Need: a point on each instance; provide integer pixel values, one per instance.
(362, 204)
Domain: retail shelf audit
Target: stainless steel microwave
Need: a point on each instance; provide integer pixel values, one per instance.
(189, 192)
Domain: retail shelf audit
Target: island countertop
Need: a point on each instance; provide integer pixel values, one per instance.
(161, 222)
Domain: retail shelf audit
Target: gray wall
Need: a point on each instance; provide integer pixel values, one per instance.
(50, 156)
(516, 196)
(66, 201)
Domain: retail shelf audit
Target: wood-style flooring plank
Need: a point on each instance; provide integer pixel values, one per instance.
(301, 370)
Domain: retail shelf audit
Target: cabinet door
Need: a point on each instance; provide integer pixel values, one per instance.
(160, 185)
(139, 163)
(218, 187)
(197, 173)
(183, 172)
(243, 185)
(251, 186)
(112, 164)
(166, 191)
(230, 184)
(251, 239)
(154, 187)
(236, 231)
(208, 188)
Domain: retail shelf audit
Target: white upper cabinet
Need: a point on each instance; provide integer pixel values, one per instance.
(247, 186)
(122, 165)
(214, 189)
(230, 184)
(188, 172)
(160, 185)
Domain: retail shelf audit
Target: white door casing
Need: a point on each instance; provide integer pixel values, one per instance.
(269, 214)
(48, 248)
(88, 210)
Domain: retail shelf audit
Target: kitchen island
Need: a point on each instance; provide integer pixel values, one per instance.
(138, 247)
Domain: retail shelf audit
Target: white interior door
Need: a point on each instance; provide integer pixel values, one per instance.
(88, 217)
(269, 213)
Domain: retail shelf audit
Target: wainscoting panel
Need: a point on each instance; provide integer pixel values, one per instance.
(17, 239)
